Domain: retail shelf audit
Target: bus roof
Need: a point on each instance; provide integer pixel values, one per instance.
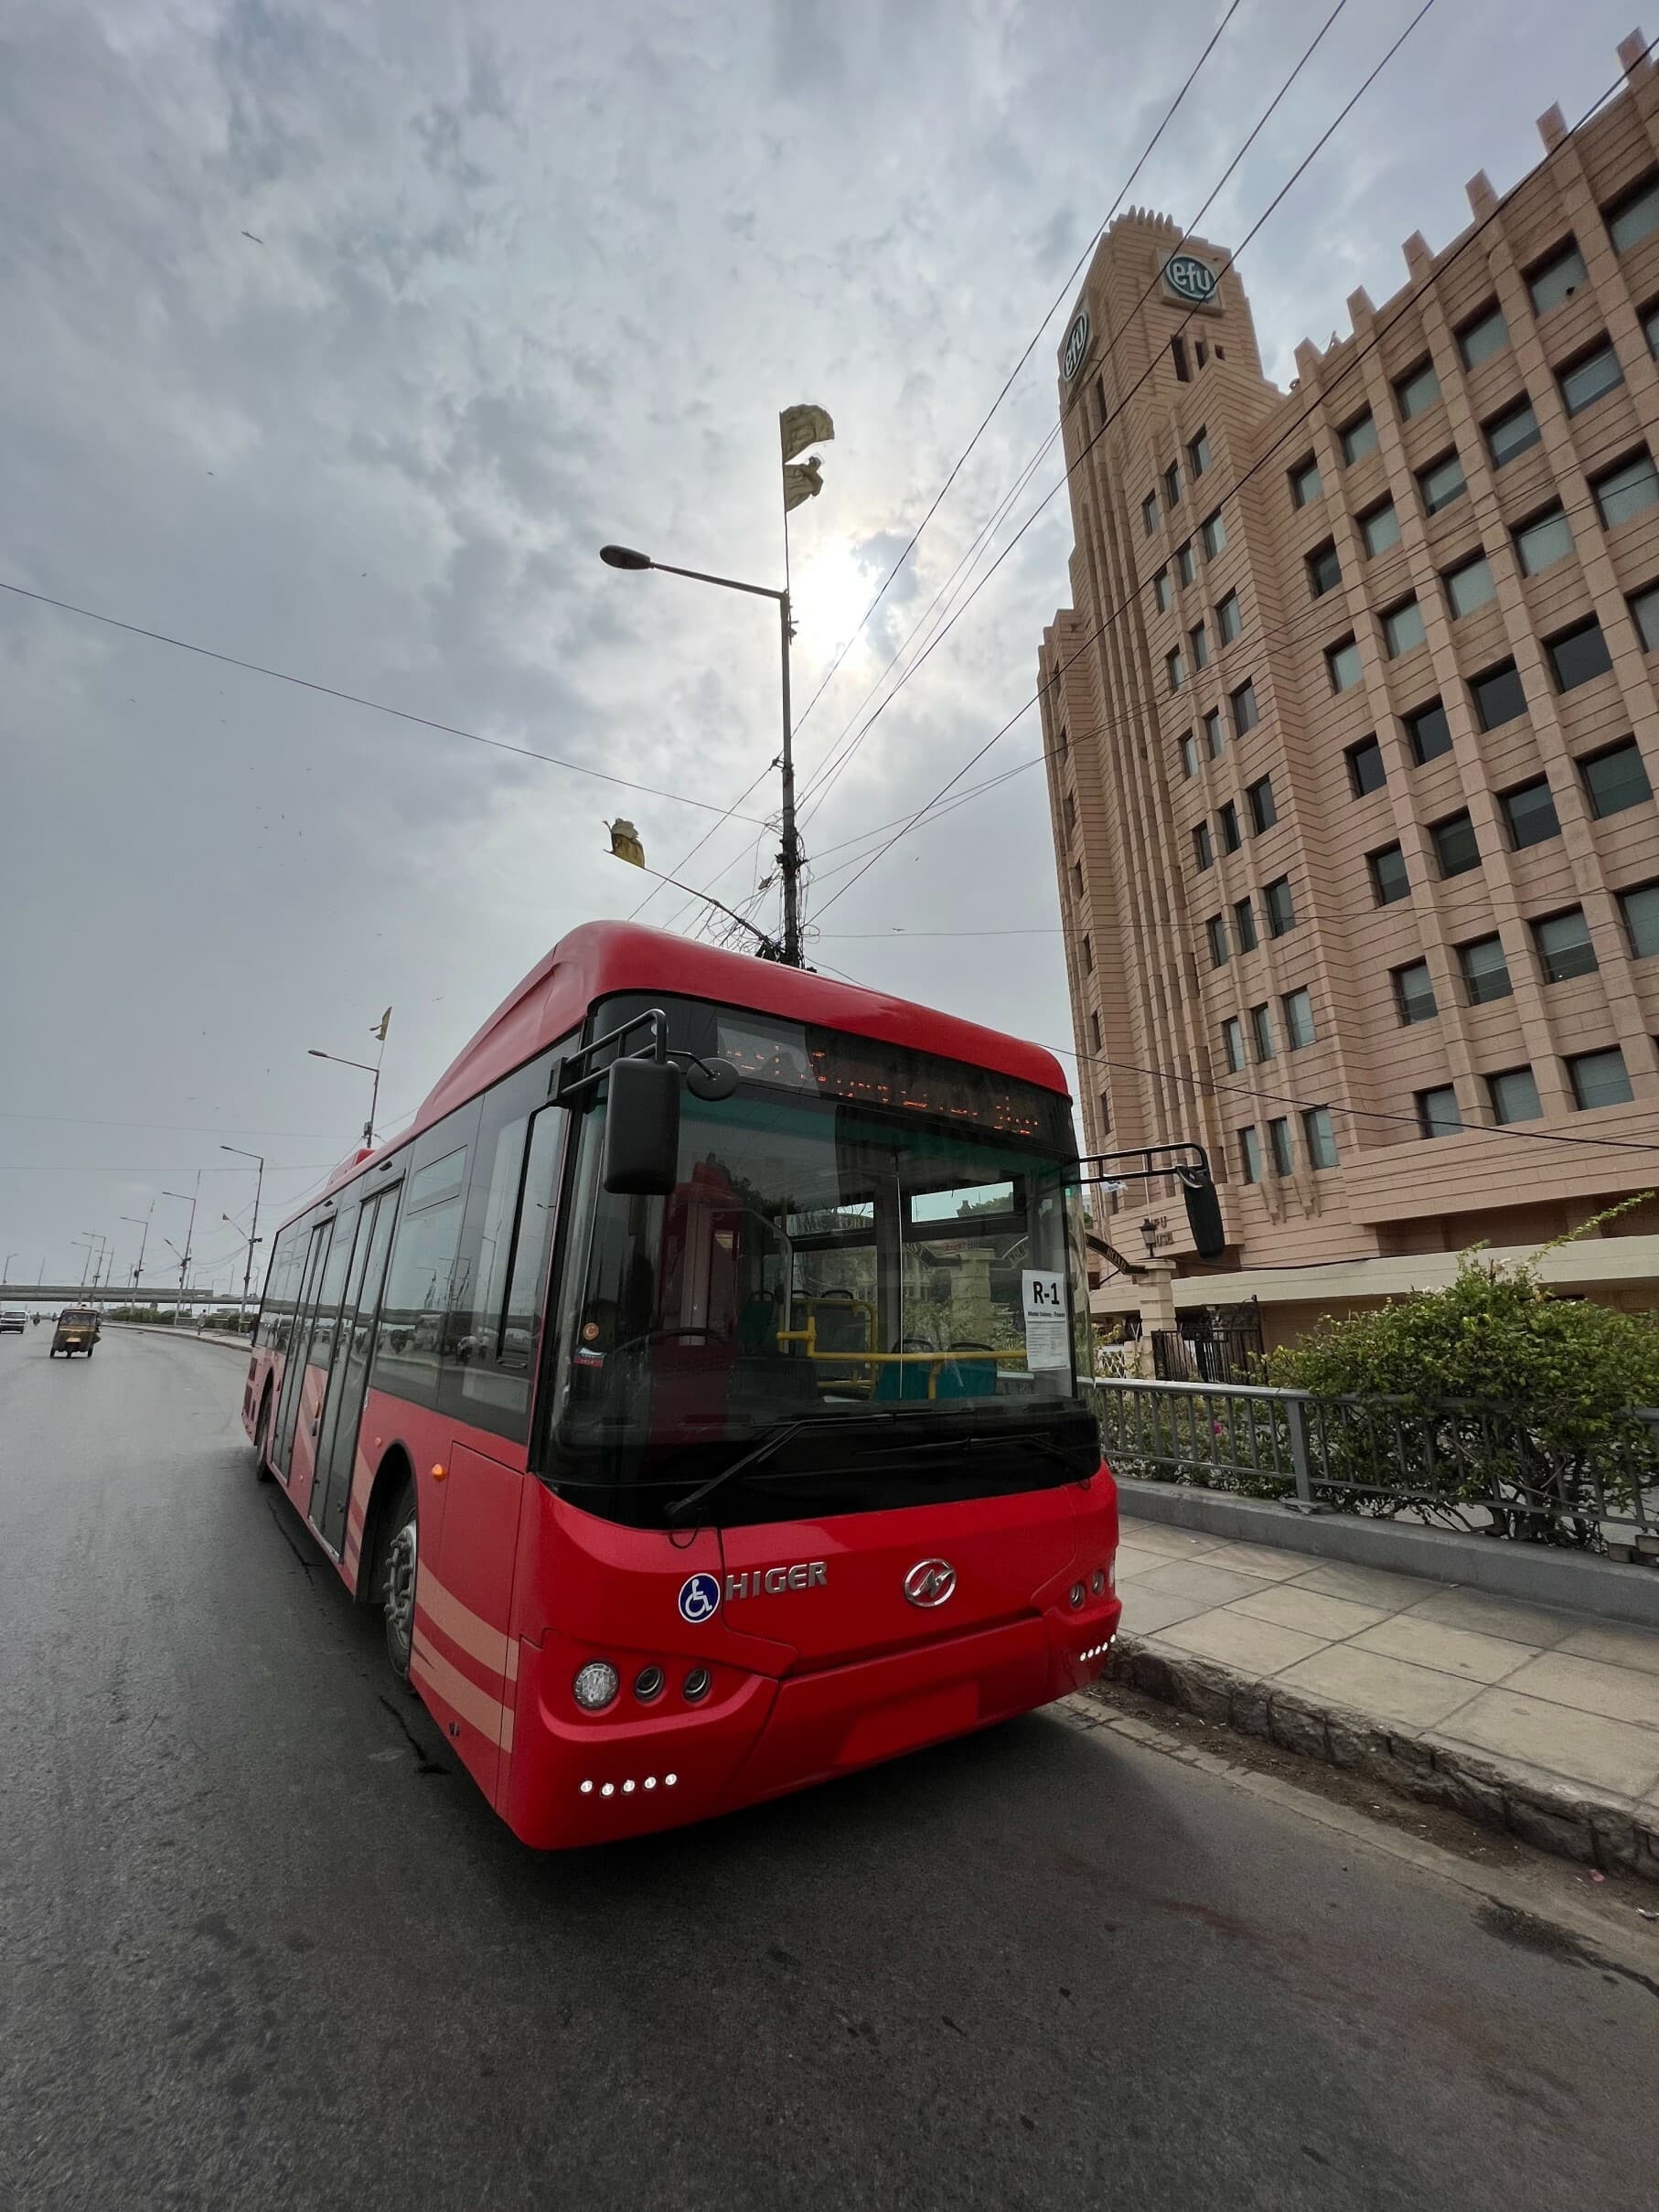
(601, 959)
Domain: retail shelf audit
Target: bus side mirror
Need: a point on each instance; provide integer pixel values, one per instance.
(1203, 1219)
(641, 1156)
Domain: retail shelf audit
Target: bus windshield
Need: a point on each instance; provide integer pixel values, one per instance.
(834, 1283)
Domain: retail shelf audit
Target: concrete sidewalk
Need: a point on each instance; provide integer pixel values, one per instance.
(1542, 1721)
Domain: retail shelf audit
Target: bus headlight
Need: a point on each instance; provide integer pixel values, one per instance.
(596, 1686)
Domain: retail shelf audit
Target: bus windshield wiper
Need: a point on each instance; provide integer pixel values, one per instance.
(767, 1445)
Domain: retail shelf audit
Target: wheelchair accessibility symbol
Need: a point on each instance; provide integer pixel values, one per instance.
(699, 1597)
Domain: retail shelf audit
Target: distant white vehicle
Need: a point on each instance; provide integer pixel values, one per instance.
(13, 1316)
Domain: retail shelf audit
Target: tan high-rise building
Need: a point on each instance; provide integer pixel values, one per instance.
(1352, 732)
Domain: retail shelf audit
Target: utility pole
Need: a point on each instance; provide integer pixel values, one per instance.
(142, 1223)
(186, 1198)
(789, 854)
(259, 1184)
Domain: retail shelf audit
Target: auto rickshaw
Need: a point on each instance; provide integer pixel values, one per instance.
(77, 1330)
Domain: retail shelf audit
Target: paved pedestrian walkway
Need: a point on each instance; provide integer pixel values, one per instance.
(1560, 1698)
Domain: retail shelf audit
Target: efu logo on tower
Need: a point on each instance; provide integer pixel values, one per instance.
(1076, 348)
(1191, 280)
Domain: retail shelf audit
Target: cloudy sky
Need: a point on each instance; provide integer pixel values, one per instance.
(523, 278)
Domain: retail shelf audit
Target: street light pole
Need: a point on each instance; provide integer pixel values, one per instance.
(6, 1272)
(141, 1221)
(368, 1067)
(789, 857)
(259, 1184)
(185, 1198)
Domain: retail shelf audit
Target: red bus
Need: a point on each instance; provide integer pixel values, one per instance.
(694, 1386)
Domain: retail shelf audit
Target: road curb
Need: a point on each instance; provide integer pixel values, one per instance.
(183, 1336)
(1556, 1817)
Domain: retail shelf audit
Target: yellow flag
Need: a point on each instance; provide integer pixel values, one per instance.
(382, 1026)
(801, 426)
(801, 481)
(624, 842)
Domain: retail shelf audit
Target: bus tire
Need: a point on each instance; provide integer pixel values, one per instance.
(398, 1577)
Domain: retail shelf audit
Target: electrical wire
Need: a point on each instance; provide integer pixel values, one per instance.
(357, 699)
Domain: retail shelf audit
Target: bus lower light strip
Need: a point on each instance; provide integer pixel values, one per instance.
(626, 1788)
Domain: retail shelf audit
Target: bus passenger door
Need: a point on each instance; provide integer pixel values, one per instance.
(319, 1362)
(299, 1343)
(349, 1378)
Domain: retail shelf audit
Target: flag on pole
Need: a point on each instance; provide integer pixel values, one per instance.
(624, 842)
(382, 1026)
(801, 426)
(801, 481)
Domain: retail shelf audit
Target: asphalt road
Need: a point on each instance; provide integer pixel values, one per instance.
(256, 1949)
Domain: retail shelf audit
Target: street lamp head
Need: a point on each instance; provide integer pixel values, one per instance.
(625, 557)
(311, 1050)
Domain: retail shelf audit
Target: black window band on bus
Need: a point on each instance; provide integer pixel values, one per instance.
(835, 1065)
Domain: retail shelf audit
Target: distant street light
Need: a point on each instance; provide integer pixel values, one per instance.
(6, 1272)
(259, 1184)
(368, 1066)
(189, 1199)
(141, 1221)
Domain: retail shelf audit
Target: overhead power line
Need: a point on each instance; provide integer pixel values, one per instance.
(1290, 431)
(357, 699)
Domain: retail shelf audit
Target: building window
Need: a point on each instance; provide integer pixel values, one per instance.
(1261, 1030)
(1227, 820)
(1232, 1038)
(1427, 732)
(1318, 1137)
(1342, 662)
(1455, 849)
(1148, 513)
(1088, 954)
(1070, 811)
(1615, 778)
(1485, 971)
(1199, 640)
(1304, 482)
(1633, 216)
(1529, 814)
(1556, 280)
(1215, 934)
(1402, 627)
(1249, 1154)
(1178, 354)
(1514, 1095)
(1498, 695)
(1437, 1111)
(1214, 737)
(1077, 879)
(1469, 585)
(1161, 592)
(1198, 453)
(1420, 389)
(1358, 439)
(1599, 1079)
(1064, 747)
(1189, 754)
(1259, 797)
(1640, 910)
(1390, 880)
(1365, 769)
(1650, 328)
(1413, 992)
(1281, 911)
(1203, 852)
(1186, 567)
(1510, 433)
(1215, 535)
(1324, 569)
(1626, 491)
(1175, 668)
(1479, 340)
(1106, 1113)
(1644, 613)
(1563, 946)
(1578, 655)
(1245, 714)
(1440, 483)
(1589, 377)
(1172, 484)
(1380, 529)
(1093, 1029)
(1244, 925)
(1546, 538)
(1100, 407)
(1299, 1019)
(1279, 1141)
(1229, 619)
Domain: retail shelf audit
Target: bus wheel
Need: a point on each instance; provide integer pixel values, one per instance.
(398, 1584)
(261, 1444)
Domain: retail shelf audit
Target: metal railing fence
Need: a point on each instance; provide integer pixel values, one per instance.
(1539, 1475)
